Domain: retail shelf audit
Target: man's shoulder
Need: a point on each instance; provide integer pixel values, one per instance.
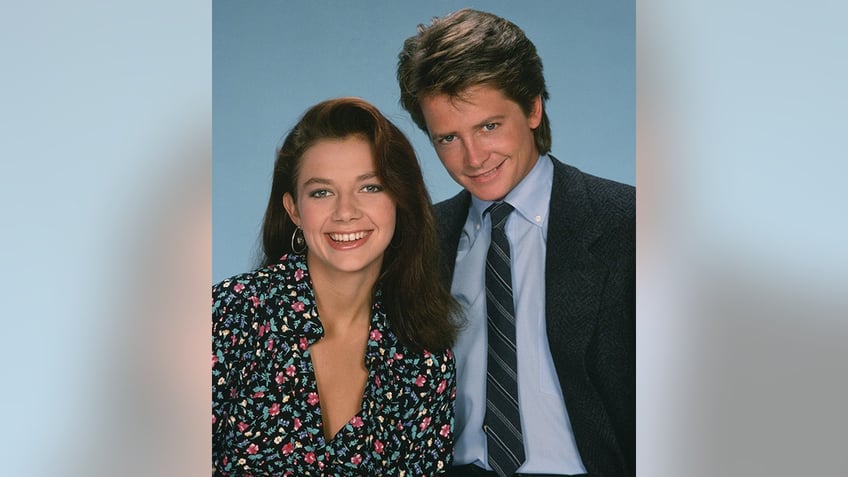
(457, 201)
(601, 196)
(453, 209)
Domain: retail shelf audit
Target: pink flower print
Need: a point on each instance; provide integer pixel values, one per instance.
(424, 424)
(239, 287)
(298, 306)
(356, 459)
(356, 421)
(420, 380)
(445, 430)
(274, 409)
(298, 274)
(288, 448)
(312, 399)
(281, 378)
(252, 449)
(378, 446)
(242, 426)
(290, 369)
(442, 386)
(427, 354)
(398, 356)
(309, 457)
(214, 419)
(257, 394)
(375, 335)
(377, 381)
(214, 359)
(304, 343)
(296, 424)
(261, 330)
(254, 300)
(270, 344)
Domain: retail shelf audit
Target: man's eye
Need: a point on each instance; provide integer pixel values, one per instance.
(490, 126)
(447, 139)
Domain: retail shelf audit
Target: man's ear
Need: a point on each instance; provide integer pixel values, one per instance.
(534, 119)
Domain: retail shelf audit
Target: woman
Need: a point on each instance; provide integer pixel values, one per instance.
(333, 358)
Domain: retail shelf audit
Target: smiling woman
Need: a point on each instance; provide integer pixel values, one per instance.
(346, 215)
(333, 358)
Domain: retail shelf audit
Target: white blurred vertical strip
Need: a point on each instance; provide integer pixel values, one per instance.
(743, 269)
(104, 186)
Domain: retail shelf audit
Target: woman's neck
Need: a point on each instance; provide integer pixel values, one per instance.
(344, 299)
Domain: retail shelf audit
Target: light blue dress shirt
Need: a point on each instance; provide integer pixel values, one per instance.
(548, 439)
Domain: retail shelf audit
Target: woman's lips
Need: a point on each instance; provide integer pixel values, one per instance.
(347, 240)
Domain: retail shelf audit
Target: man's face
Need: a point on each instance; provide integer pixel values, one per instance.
(484, 139)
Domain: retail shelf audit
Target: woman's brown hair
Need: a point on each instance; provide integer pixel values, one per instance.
(417, 303)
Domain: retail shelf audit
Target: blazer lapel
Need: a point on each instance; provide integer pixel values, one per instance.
(574, 278)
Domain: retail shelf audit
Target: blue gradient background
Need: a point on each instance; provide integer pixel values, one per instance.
(273, 60)
(105, 186)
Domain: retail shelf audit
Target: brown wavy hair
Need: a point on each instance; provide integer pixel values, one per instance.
(419, 307)
(469, 48)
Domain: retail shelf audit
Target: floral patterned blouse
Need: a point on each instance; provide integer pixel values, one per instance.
(266, 414)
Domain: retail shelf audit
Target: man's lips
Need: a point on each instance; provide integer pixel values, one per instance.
(487, 175)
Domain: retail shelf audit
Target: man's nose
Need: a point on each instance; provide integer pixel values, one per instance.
(475, 155)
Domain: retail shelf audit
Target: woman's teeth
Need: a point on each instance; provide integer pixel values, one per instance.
(347, 237)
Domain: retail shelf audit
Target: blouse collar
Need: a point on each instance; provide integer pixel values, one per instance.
(380, 337)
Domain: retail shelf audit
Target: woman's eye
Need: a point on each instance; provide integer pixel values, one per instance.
(372, 188)
(319, 193)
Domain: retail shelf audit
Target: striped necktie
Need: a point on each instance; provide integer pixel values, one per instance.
(503, 421)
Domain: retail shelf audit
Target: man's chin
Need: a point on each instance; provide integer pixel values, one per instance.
(487, 192)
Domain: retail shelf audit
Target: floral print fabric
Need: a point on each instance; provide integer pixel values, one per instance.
(266, 413)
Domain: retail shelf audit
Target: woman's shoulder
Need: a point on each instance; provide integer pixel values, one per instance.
(261, 281)
(275, 298)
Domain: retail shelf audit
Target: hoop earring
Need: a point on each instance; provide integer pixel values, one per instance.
(298, 242)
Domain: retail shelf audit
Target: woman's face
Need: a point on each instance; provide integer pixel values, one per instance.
(347, 217)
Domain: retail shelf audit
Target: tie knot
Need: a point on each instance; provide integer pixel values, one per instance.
(499, 211)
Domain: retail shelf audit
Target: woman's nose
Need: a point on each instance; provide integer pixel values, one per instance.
(346, 208)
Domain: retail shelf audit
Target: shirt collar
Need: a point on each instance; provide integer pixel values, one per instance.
(530, 198)
(298, 277)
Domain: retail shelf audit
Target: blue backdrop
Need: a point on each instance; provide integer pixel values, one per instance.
(272, 60)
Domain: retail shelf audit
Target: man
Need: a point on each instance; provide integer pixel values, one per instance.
(546, 361)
